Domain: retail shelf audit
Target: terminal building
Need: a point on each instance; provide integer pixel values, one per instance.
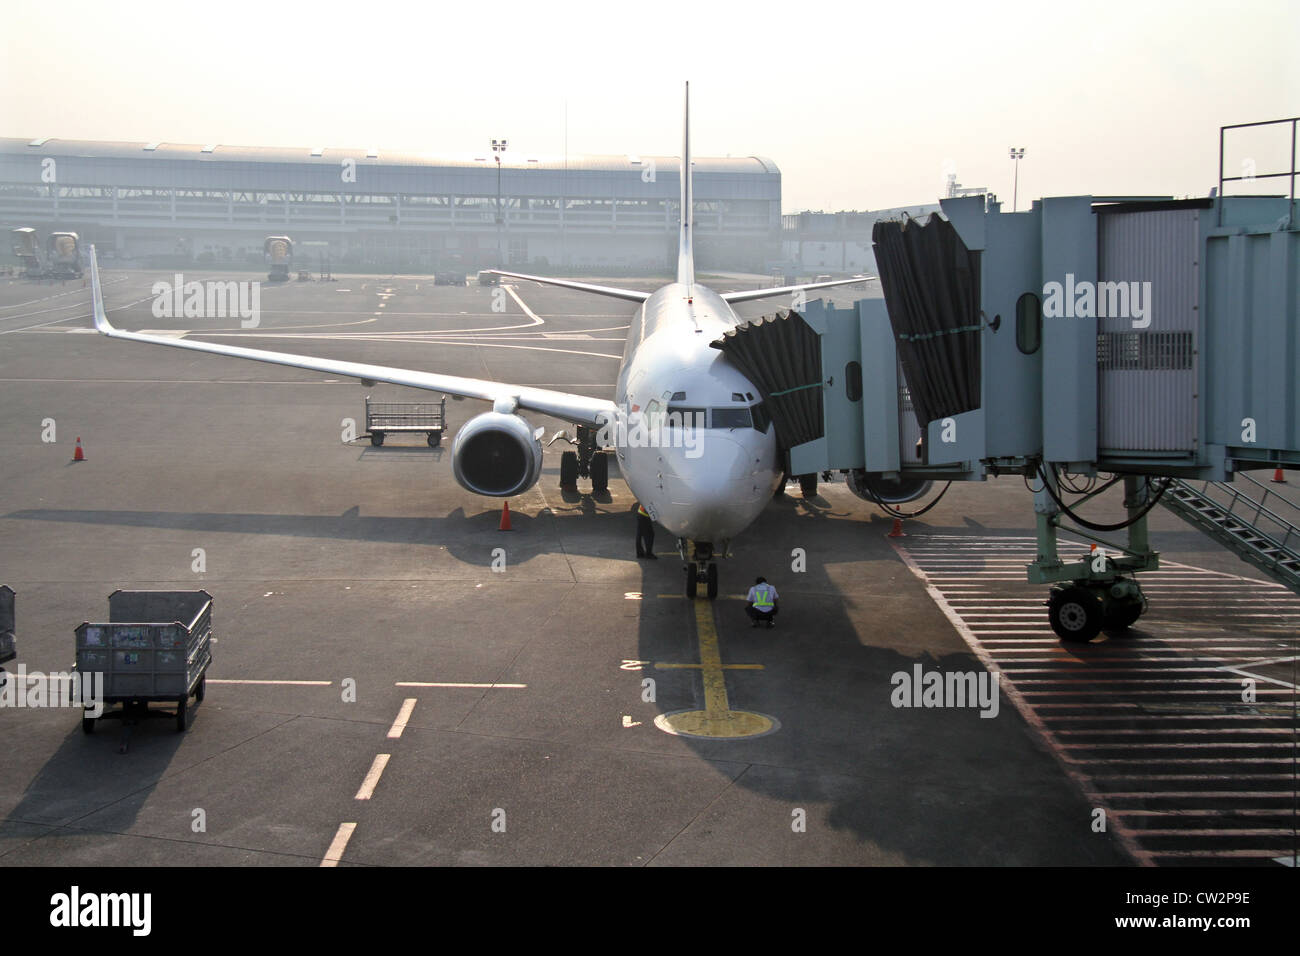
(164, 204)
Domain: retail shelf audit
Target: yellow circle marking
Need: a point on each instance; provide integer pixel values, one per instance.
(717, 720)
(725, 724)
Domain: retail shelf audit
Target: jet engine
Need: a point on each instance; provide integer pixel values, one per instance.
(892, 491)
(496, 454)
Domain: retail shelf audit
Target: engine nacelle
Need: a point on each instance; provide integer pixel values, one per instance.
(892, 491)
(497, 455)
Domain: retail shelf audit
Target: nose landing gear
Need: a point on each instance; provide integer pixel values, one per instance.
(700, 568)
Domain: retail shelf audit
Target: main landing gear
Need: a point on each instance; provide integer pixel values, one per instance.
(587, 462)
(700, 568)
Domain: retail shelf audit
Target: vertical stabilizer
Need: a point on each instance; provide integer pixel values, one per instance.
(685, 250)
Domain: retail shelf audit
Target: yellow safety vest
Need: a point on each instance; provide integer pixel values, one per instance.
(763, 596)
(640, 509)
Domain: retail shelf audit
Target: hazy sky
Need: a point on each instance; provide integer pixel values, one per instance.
(862, 105)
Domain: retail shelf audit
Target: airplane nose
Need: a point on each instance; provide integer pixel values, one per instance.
(712, 488)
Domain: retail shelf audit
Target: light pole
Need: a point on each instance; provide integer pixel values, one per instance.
(1017, 154)
(499, 147)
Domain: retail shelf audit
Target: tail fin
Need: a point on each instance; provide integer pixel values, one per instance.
(685, 252)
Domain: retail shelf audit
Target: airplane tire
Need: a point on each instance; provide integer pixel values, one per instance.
(599, 473)
(691, 583)
(569, 470)
(713, 581)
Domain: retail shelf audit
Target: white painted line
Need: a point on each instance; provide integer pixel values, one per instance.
(416, 683)
(372, 777)
(403, 716)
(339, 844)
(537, 320)
(277, 683)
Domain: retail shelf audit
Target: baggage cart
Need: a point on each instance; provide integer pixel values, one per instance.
(385, 417)
(8, 650)
(155, 647)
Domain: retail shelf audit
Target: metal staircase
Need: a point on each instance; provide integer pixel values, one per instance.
(1247, 517)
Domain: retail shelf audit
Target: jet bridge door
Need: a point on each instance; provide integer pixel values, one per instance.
(1146, 302)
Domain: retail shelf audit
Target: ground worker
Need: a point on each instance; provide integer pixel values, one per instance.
(763, 603)
(645, 534)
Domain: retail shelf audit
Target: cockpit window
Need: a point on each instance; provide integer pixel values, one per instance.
(761, 418)
(731, 418)
(683, 416)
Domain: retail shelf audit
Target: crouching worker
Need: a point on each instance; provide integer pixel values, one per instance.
(763, 603)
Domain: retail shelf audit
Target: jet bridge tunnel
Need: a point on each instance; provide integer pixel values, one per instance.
(1154, 340)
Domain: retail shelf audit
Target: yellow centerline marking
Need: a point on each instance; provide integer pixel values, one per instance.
(717, 720)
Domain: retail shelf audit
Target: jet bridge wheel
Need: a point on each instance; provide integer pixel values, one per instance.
(712, 581)
(808, 485)
(1075, 614)
(1123, 614)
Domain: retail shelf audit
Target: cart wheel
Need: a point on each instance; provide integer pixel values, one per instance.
(435, 439)
(376, 438)
(182, 705)
(87, 725)
(201, 688)
(599, 473)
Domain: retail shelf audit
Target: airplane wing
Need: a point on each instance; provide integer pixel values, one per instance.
(752, 294)
(631, 295)
(578, 409)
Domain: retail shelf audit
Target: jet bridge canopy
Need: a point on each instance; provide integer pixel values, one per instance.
(781, 354)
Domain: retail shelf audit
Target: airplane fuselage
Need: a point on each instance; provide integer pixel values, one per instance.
(696, 448)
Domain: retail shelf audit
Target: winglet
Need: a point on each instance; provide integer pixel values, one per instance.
(97, 296)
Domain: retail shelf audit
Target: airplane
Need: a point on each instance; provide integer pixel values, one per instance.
(691, 433)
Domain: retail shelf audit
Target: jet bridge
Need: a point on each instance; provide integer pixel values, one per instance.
(1086, 342)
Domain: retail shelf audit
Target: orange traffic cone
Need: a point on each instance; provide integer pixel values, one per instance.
(78, 455)
(1278, 477)
(505, 516)
(897, 530)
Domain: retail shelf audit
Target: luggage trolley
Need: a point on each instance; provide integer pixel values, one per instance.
(427, 417)
(8, 650)
(156, 647)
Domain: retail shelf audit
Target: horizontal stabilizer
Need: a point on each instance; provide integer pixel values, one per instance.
(631, 295)
(752, 294)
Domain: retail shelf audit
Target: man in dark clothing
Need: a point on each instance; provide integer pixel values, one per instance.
(645, 534)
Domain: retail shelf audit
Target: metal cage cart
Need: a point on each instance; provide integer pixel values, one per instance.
(156, 647)
(385, 417)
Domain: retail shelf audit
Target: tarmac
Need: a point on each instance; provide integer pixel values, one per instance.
(382, 695)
